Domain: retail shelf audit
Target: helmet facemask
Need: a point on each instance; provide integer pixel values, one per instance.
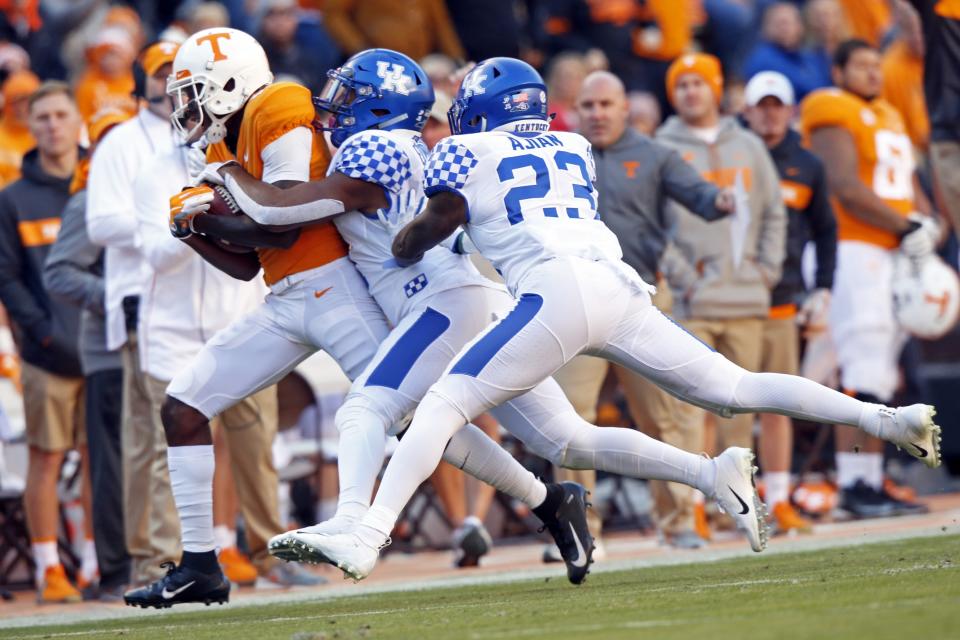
(190, 96)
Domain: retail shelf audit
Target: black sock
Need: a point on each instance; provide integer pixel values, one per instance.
(547, 512)
(204, 561)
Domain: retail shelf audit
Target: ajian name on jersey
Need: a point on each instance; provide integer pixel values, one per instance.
(395, 160)
(530, 198)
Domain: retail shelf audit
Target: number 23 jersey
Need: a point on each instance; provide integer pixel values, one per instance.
(530, 198)
(884, 155)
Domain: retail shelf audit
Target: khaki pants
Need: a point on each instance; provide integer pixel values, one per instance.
(581, 380)
(781, 346)
(150, 516)
(945, 160)
(53, 410)
(249, 427)
(740, 340)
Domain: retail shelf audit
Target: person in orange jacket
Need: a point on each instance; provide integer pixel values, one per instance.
(15, 137)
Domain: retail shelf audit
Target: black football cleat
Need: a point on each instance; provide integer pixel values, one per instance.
(179, 586)
(569, 530)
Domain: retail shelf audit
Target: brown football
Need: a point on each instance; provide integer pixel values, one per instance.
(224, 204)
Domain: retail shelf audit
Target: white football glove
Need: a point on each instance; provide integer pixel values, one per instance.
(814, 311)
(922, 241)
(210, 174)
(196, 158)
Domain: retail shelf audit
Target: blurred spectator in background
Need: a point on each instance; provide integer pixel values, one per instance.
(645, 114)
(869, 20)
(437, 127)
(442, 70)
(108, 78)
(721, 273)
(15, 136)
(727, 33)
(488, 28)
(150, 523)
(207, 15)
(278, 35)
(413, 27)
(861, 140)
(565, 75)
(903, 76)
(46, 331)
(941, 81)
(782, 49)
(826, 27)
(803, 184)
(635, 176)
(74, 272)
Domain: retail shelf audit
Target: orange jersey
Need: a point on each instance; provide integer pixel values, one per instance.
(15, 141)
(868, 19)
(903, 88)
(94, 92)
(274, 111)
(884, 152)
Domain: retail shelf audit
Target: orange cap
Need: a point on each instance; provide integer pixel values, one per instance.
(103, 120)
(19, 84)
(704, 65)
(157, 55)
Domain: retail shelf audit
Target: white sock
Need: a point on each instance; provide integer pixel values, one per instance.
(88, 561)
(360, 455)
(796, 397)
(631, 453)
(224, 536)
(418, 455)
(44, 555)
(776, 486)
(854, 466)
(191, 479)
(477, 454)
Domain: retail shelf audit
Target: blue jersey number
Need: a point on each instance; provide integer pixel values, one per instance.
(563, 159)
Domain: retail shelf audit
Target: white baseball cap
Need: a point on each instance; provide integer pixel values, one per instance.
(769, 83)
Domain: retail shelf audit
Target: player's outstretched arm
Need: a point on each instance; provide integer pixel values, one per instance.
(243, 231)
(444, 213)
(276, 208)
(242, 266)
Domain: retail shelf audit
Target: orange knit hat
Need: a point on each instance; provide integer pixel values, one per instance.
(704, 65)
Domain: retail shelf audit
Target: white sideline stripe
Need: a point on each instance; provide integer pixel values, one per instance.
(789, 545)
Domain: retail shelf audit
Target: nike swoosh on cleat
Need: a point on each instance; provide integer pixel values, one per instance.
(743, 504)
(170, 594)
(923, 452)
(581, 560)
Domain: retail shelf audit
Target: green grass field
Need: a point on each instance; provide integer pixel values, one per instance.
(907, 590)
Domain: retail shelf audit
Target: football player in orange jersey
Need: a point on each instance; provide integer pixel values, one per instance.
(223, 91)
(869, 160)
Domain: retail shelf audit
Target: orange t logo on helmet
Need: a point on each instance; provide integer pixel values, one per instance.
(214, 40)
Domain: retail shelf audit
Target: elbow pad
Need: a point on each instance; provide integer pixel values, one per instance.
(279, 216)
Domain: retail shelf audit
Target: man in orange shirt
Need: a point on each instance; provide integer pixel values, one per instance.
(903, 76)
(15, 136)
(863, 143)
(108, 80)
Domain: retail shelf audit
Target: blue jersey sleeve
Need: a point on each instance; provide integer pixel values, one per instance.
(375, 158)
(448, 167)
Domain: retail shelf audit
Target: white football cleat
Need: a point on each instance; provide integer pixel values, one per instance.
(346, 551)
(913, 429)
(284, 545)
(736, 494)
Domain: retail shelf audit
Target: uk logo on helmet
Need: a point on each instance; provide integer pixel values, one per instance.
(472, 84)
(394, 78)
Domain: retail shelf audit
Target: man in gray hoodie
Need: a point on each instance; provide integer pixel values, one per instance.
(635, 178)
(721, 274)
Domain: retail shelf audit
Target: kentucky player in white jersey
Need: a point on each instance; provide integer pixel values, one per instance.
(526, 199)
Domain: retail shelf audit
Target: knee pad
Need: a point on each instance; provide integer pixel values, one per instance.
(356, 412)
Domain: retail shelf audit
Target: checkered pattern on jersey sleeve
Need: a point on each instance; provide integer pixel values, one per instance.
(448, 167)
(374, 158)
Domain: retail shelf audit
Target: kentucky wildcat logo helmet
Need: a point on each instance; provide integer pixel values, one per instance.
(375, 89)
(496, 92)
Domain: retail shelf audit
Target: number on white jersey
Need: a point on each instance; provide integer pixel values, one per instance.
(893, 173)
(564, 161)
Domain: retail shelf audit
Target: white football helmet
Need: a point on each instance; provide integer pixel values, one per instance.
(214, 74)
(926, 295)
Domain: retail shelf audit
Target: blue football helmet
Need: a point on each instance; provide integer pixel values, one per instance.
(375, 89)
(495, 92)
